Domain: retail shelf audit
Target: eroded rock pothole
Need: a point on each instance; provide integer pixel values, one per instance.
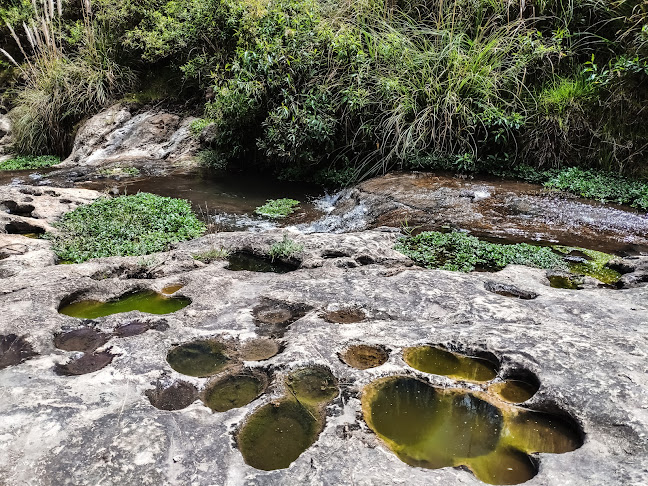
(364, 356)
(251, 262)
(348, 315)
(147, 301)
(14, 350)
(234, 390)
(273, 317)
(200, 358)
(87, 363)
(434, 428)
(438, 361)
(172, 395)
(85, 339)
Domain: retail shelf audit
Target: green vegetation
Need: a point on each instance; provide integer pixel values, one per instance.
(212, 255)
(286, 248)
(595, 184)
(277, 208)
(120, 171)
(461, 252)
(340, 90)
(594, 266)
(124, 226)
(24, 162)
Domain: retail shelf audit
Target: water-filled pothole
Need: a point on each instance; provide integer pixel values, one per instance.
(146, 301)
(85, 339)
(234, 390)
(345, 316)
(199, 358)
(279, 432)
(18, 227)
(254, 263)
(14, 350)
(172, 396)
(132, 329)
(434, 428)
(570, 282)
(273, 317)
(259, 349)
(172, 289)
(514, 391)
(87, 363)
(432, 359)
(364, 356)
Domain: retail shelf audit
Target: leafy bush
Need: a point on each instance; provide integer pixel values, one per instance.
(461, 252)
(277, 208)
(24, 162)
(124, 226)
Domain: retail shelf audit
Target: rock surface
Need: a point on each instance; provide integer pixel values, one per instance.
(121, 134)
(588, 348)
(514, 211)
(5, 137)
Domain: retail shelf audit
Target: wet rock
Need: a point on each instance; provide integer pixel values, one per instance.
(172, 395)
(121, 134)
(87, 363)
(14, 350)
(85, 339)
(509, 290)
(514, 211)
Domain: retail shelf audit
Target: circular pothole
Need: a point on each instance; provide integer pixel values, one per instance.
(88, 363)
(85, 339)
(345, 316)
(234, 391)
(175, 396)
(199, 358)
(364, 356)
(259, 349)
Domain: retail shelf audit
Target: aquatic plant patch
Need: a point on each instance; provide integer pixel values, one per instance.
(461, 252)
(592, 264)
(124, 226)
(29, 162)
(277, 208)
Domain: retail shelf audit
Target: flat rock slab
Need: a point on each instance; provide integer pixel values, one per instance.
(514, 211)
(588, 348)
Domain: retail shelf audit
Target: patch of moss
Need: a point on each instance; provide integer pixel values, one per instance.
(595, 267)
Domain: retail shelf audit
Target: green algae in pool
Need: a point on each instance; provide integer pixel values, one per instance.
(198, 358)
(431, 359)
(569, 282)
(592, 264)
(146, 301)
(435, 428)
(234, 391)
(514, 391)
(253, 263)
(278, 433)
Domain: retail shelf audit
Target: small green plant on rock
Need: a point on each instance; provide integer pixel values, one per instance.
(211, 255)
(124, 226)
(461, 252)
(277, 208)
(29, 162)
(286, 248)
(120, 171)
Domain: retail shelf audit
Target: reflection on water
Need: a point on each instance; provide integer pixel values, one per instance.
(438, 361)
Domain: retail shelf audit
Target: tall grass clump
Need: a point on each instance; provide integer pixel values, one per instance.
(63, 78)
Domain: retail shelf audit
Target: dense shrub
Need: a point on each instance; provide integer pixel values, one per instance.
(124, 226)
(29, 162)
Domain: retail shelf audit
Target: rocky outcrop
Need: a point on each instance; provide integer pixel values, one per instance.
(122, 134)
(5, 137)
(588, 349)
(30, 210)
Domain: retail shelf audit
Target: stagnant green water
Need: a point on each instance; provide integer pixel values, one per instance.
(198, 358)
(434, 428)
(145, 301)
(234, 391)
(514, 391)
(431, 359)
(279, 432)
